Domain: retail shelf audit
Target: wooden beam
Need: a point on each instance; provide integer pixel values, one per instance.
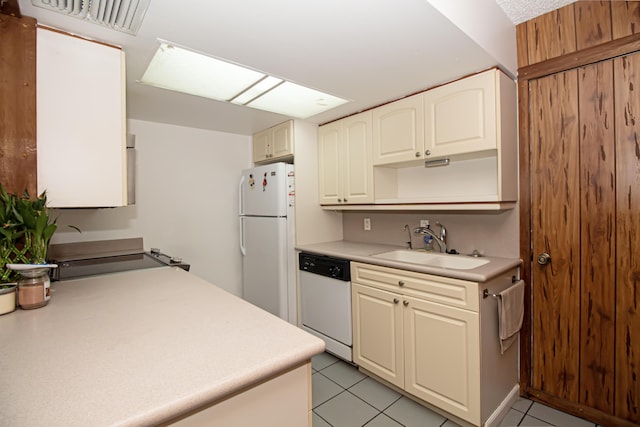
(10, 7)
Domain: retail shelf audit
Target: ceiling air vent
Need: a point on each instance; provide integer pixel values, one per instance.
(120, 15)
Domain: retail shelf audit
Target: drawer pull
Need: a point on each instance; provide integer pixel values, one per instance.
(396, 300)
(405, 303)
(400, 283)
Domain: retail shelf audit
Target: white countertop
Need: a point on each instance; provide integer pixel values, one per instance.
(363, 252)
(137, 348)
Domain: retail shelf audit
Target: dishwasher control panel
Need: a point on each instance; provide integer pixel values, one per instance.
(324, 265)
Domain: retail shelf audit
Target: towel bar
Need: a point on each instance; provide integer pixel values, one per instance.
(486, 294)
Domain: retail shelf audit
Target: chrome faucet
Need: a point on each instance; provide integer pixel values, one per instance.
(440, 239)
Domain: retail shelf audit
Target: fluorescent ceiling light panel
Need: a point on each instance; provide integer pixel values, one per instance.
(264, 85)
(190, 72)
(294, 100)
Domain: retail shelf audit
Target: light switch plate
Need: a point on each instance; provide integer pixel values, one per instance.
(424, 223)
(367, 224)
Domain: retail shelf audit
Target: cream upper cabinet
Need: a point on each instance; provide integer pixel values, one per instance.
(275, 143)
(81, 134)
(434, 337)
(345, 172)
(330, 163)
(460, 117)
(398, 131)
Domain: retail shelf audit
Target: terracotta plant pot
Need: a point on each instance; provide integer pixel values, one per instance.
(7, 298)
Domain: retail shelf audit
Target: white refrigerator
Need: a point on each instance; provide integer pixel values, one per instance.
(267, 239)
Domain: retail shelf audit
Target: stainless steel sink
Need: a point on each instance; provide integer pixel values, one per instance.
(455, 262)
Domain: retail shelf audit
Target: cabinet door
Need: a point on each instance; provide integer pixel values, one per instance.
(329, 164)
(377, 332)
(282, 140)
(356, 159)
(81, 138)
(262, 145)
(461, 117)
(398, 131)
(442, 357)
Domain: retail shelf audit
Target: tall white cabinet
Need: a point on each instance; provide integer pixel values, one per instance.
(345, 172)
(81, 121)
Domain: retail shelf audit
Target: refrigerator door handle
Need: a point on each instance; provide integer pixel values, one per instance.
(243, 250)
(240, 203)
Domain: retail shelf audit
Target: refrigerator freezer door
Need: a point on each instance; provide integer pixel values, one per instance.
(264, 190)
(265, 263)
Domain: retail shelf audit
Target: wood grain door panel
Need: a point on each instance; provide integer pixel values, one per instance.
(585, 212)
(597, 231)
(555, 230)
(627, 315)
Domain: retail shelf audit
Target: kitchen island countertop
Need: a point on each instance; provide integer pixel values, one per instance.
(363, 252)
(138, 348)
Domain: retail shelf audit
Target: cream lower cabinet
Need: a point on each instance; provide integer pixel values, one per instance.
(423, 334)
(430, 350)
(345, 173)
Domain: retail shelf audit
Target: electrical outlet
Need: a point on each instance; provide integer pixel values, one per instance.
(367, 224)
(424, 223)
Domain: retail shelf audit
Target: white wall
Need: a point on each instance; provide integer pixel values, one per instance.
(485, 23)
(493, 234)
(186, 200)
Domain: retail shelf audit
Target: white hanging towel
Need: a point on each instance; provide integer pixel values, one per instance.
(510, 314)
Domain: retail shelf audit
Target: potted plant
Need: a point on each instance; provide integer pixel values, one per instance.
(10, 234)
(24, 238)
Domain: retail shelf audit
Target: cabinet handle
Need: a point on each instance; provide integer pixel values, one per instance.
(427, 153)
(405, 303)
(400, 283)
(345, 200)
(417, 154)
(339, 200)
(396, 300)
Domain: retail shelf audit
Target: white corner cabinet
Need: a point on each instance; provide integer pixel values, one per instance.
(453, 147)
(435, 338)
(273, 144)
(81, 121)
(345, 173)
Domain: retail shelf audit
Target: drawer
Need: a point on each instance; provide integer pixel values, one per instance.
(443, 290)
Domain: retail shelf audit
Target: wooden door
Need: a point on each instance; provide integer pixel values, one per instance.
(585, 214)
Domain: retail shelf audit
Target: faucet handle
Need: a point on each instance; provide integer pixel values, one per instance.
(443, 231)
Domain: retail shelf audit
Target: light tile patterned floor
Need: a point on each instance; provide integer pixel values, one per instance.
(344, 397)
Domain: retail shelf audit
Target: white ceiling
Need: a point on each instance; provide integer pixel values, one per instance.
(368, 52)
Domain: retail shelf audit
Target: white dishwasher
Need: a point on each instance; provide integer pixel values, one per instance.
(325, 295)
